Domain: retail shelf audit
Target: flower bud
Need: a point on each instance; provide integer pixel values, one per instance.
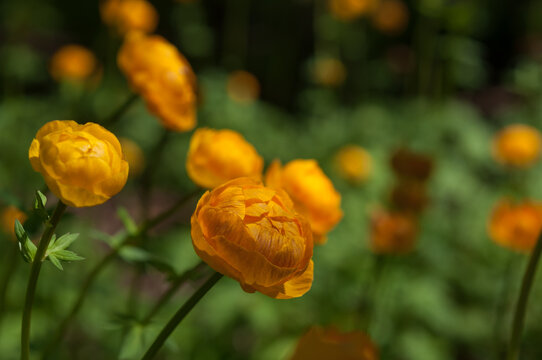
(163, 77)
(129, 15)
(7, 220)
(312, 192)
(73, 63)
(353, 163)
(391, 16)
(216, 156)
(243, 87)
(252, 234)
(517, 145)
(83, 165)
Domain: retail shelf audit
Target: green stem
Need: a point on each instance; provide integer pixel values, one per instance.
(117, 114)
(521, 306)
(180, 315)
(33, 279)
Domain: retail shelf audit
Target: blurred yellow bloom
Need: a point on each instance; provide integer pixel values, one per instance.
(312, 192)
(391, 16)
(129, 15)
(347, 10)
(73, 63)
(253, 234)
(82, 165)
(353, 163)
(515, 225)
(163, 77)
(325, 344)
(392, 232)
(8, 217)
(328, 72)
(216, 156)
(243, 87)
(134, 155)
(517, 145)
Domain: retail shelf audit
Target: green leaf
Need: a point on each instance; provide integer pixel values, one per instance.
(135, 254)
(133, 344)
(39, 205)
(127, 221)
(27, 247)
(53, 259)
(20, 232)
(67, 255)
(63, 242)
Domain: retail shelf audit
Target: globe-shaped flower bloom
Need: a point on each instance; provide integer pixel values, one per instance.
(129, 15)
(516, 225)
(312, 192)
(392, 232)
(347, 10)
(253, 234)
(73, 63)
(83, 165)
(162, 76)
(216, 156)
(517, 145)
(243, 87)
(390, 16)
(353, 163)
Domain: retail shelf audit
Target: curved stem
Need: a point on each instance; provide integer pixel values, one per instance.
(180, 315)
(33, 279)
(117, 114)
(521, 306)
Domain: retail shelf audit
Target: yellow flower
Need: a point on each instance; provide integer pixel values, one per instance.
(216, 156)
(129, 15)
(253, 234)
(324, 344)
(517, 145)
(329, 72)
(392, 232)
(73, 63)
(163, 77)
(134, 155)
(391, 16)
(353, 163)
(347, 10)
(516, 225)
(243, 87)
(82, 165)
(8, 217)
(312, 192)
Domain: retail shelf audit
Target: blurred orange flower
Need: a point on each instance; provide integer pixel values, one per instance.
(353, 163)
(83, 165)
(134, 155)
(312, 192)
(392, 232)
(328, 72)
(347, 10)
(516, 225)
(252, 234)
(129, 15)
(216, 156)
(390, 16)
(163, 77)
(8, 217)
(243, 87)
(324, 344)
(73, 63)
(411, 165)
(517, 145)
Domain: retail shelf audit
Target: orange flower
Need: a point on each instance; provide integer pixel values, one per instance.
(8, 217)
(347, 10)
(411, 165)
(329, 72)
(72, 63)
(163, 77)
(353, 163)
(312, 192)
(392, 232)
(216, 156)
(391, 16)
(253, 234)
(516, 225)
(129, 15)
(324, 344)
(243, 87)
(134, 155)
(517, 145)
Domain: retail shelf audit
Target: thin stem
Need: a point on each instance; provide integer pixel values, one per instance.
(117, 114)
(180, 315)
(33, 279)
(521, 306)
(175, 285)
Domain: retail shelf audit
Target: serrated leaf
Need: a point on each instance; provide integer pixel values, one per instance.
(67, 255)
(135, 254)
(127, 221)
(63, 242)
(55, 262)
